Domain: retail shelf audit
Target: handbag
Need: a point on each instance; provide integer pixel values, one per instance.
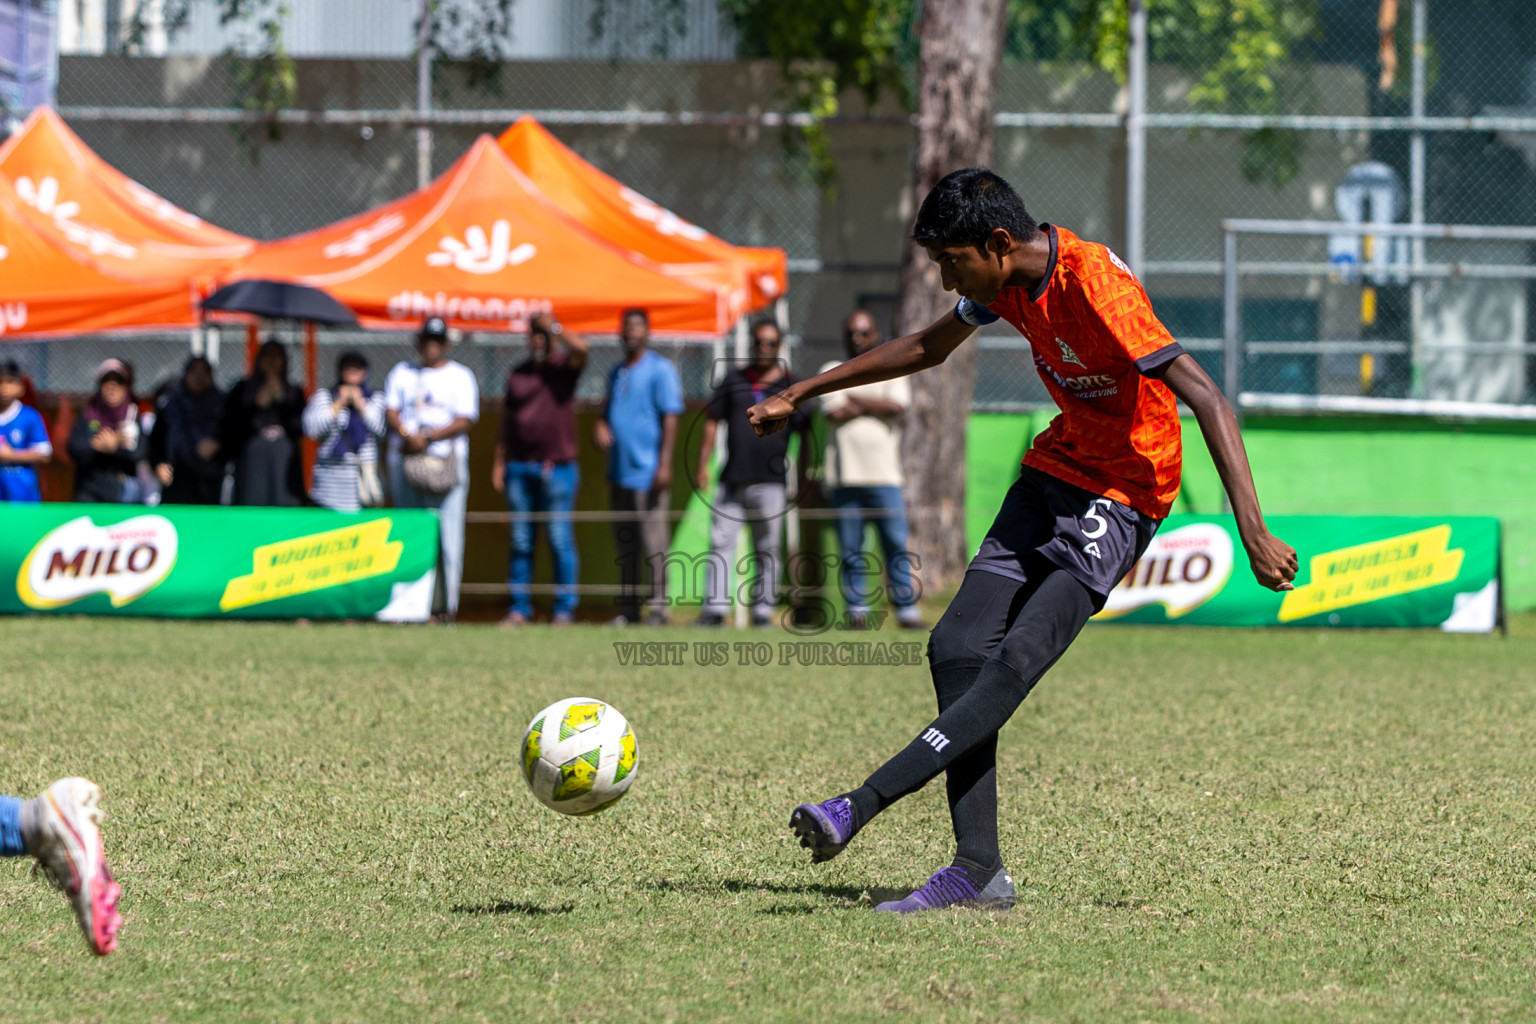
(370, 489)
(429, 474)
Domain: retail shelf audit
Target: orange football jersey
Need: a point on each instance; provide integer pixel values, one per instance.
(1094, 335)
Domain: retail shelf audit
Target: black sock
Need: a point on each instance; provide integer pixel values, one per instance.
(951, 679)
(979, 873)
(971, 782)
(1048, 623)
(866, 804)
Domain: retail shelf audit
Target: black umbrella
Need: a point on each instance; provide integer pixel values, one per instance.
(280, 300)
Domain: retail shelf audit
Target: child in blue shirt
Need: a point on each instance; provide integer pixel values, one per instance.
(24, 441)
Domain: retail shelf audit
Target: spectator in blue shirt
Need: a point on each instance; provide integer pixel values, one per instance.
(24, 441)
(638, 430)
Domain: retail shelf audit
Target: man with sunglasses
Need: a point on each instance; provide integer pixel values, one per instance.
(753, 482)
(864, 481)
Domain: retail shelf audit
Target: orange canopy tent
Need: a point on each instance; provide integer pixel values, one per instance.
(49, 286)
(630, 220)
(483, 248)
(100, 211)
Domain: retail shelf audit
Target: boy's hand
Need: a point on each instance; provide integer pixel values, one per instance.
(770, 415)
(1273, 560)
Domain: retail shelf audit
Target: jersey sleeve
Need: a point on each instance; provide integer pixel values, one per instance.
(975, 314)
(1117, 306)
(669, 389)
(37, 434)
(394, 387)
(467, 401)
(719, 400)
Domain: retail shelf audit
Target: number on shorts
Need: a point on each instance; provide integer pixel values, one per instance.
(1100, 523)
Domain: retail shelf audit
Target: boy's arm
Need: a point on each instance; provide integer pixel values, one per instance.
(23, 456)
(897, 358)
(1273, 560)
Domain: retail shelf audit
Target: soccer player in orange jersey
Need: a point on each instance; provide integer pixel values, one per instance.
(1093, 490)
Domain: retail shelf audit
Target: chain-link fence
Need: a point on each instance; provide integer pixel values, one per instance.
(1152, 167)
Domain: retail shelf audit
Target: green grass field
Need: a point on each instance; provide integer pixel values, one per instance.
(327, 823)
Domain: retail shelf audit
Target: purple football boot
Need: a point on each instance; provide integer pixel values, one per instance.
(824, 828)
(949, 887)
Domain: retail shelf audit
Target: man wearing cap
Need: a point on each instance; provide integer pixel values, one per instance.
(430, 405)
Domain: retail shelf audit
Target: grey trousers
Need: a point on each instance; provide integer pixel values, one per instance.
(761, 508)
(642, 537)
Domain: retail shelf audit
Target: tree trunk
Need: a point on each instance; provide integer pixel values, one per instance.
(961, 43)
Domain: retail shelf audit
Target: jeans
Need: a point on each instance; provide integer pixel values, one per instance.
(450, 509)
(861, 573)
(530, 488)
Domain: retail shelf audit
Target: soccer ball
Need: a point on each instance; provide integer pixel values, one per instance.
(579, 756)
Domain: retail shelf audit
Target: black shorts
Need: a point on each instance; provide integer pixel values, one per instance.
(1094, 538)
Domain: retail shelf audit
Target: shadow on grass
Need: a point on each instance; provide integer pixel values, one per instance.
(511, 907)
(848, 894)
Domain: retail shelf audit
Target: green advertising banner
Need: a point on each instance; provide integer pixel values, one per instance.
(192, 561)
(1354, 571)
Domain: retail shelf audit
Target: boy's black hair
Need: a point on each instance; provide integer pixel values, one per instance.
(349, 360)
(12, 369)
(635, 311)
(966, 206)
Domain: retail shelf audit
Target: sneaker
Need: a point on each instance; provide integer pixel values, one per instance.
(762, 622)
(856, 620)
(710, 620)
(824, 828)
(563, 619)
(657, 618)
(514, 618)
(910, 618)
(951, 887)
(619, 620)
(67, 846)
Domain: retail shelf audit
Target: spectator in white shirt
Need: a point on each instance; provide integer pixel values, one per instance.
(430, 406)
(864, 481)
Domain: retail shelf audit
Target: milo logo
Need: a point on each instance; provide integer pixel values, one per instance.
(124, 560)
(1181, 570)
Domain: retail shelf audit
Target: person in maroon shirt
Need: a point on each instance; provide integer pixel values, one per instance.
(535, 463)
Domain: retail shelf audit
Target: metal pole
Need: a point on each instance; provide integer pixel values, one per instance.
(23, 64)
(1231, 321)
(1136, 138)
(1416, 203)
(424, 95)
(1231, 332)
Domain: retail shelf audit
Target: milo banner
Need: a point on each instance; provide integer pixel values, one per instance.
(187, 561)
(1356, 571)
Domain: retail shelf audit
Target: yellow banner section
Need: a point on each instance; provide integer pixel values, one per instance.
(306, 564)
(1370, 572)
